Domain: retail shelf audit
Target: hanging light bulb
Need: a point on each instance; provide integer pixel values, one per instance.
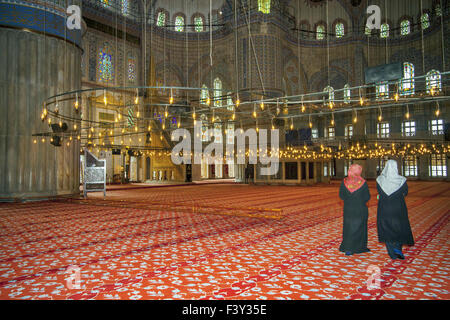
(194, 115)
(407, 112)
(136, 100)
(136, 128)
(138, 114)
(179, 123)
(332, 119)
(278, 107)
(233, 116)
(254, 113)
(166, 112)
(310, 122)
(355, 118)
(238, 102)
(292, 124)
(76, 102)
(164, 125)
(104, 97)
(380, 115)
(437, 109)
(262, 105)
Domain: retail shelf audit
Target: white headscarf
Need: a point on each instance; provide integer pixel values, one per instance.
(389, 180)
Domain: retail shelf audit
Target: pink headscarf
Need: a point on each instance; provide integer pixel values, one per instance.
(353, 181)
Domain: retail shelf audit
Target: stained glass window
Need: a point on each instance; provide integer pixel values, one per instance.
(131, 69)
(438, 10)
(405, 27)
(347, 93)
(179, 24)
(382, 90)
(161, 19)
(105, 66)
(330, 92)
(264, 6)
(125, 7)
(230, 105)
(105, 3)
(339, 30)
(383, 130)
(434, 81)
(320, 32)
(204, 94)
(425, 20)
(198, 22)
(384, 32)
(217, 92)
(407, 83)
(348, 131)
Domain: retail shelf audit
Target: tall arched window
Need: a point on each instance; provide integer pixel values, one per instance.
(330, 92)
(105, 68)
(382, 90)
(131, 68)
(407, 83)
(217, 94)
(347, 93)
(161, 19)
(433, 81)
(320, 32)
(425, 20)
(179, 23)
(264, 6)
(384, 32)
(405, 27)
(230, 105)
(125, 7)
(339, 29)
(204, 96)
(198, 23)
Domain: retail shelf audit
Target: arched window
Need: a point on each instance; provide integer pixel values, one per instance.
(330, 92)
(347, 93)
(405, 27)
(105, 3)
(339, 29)
(125, 7)
(407, 83)
(425, 20)
(384, 32)
(264, 6)
(438, 10)
(433, 81)
(320, 32)
(105, 68)
(179, 23)
(198, 23)
(131, 68)
(217, 94)
(230, 105)
(204, 96)
(161, 19)
(382, 90)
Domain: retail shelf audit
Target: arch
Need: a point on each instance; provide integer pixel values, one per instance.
(433, 81)
(405, 26)
(198, 21)
(320, 29)
(339, 28)
(161, 17)
(407, 86)
(179, 19)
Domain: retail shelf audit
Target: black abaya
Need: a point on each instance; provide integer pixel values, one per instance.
(392, 217)
(356, 214)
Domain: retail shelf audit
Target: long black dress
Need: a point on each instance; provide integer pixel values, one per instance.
(392, 217)
(356, 214)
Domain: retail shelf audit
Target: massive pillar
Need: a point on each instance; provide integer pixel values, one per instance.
(39, 58)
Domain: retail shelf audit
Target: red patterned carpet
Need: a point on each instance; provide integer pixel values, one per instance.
(133, 250)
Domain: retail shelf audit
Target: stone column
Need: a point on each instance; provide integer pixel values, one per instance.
(35, 67)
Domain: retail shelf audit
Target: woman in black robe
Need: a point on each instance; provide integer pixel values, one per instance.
(392, 217)
(355, 193)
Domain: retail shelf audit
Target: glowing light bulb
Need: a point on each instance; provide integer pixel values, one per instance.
(310, 124)
(208, 101)
(396, 97)
(254, 114)
(361, 101)
(233, 116)
(262, 105)
(171, 100)
(303, 108)
(238, 102)
(355, 119)
(437, 113)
